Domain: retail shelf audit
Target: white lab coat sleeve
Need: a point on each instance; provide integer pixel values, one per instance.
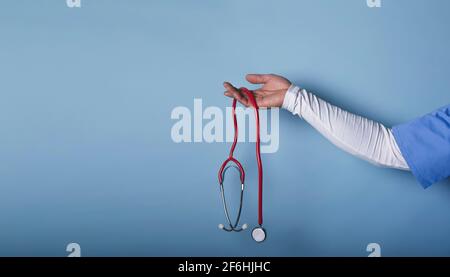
(359, 136)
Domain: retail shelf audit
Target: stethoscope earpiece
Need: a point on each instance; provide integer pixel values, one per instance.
(233, 228)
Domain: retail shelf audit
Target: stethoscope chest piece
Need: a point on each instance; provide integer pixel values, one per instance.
(259, 234)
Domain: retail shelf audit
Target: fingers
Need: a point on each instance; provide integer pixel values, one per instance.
(235, 93)
(258, 78)
(262, 97)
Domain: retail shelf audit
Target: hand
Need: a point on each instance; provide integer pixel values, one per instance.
(270, 95)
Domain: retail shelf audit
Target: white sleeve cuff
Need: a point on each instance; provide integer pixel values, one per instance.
(291, 102)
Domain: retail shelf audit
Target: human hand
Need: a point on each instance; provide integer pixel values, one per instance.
(270, 95)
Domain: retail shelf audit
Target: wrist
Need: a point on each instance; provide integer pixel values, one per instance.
(290, 97)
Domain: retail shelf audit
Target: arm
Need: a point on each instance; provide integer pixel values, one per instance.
(357, 135)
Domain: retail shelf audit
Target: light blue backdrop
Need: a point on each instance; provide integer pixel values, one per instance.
(86, 154)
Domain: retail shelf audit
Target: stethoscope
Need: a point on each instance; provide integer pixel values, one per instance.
(258, 233)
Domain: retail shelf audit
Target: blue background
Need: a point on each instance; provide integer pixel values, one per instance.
(86, 154)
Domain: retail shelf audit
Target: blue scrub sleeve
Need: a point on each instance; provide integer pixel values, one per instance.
(425, 145)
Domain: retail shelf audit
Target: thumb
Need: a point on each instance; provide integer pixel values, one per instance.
(258, 78)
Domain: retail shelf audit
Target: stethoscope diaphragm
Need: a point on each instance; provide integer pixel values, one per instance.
(259, 234)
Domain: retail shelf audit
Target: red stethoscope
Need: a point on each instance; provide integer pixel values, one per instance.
(258, 233)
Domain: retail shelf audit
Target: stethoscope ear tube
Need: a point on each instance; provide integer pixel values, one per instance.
(232, 226)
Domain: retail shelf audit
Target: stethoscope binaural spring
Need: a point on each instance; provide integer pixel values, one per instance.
(258, 233)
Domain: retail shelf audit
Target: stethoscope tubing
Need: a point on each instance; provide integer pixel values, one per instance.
(230, 158)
